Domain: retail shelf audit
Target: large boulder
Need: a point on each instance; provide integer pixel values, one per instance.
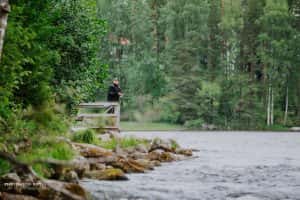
(129, 150)
(147, 164)
(106, 174)
(103, 160)
(62, 191)
(154, 155)
(80, 165)
(186, 152)
(167, 157)
(138, 155)
(156, 163)
(142, 148)
(10, 178)
(158, 143)
(71, 176)
(8, 196)
(129, 165)
(89, 150)
(161, 156)
(98, 166)
(295, 129)
(120, 151)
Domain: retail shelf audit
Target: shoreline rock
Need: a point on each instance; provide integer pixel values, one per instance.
(295, 129)
(95, 162)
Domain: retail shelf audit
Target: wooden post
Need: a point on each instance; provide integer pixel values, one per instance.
(118, 113)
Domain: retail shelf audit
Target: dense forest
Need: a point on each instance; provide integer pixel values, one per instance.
(233, 64)
(49, 63)
(199, 64)
(50, 58)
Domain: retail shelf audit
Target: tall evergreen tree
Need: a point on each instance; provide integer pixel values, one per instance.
(214, 42)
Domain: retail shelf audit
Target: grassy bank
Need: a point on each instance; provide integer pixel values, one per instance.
(149, 126)
(156, 126)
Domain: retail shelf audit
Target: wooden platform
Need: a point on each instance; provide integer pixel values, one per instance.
(109, 110)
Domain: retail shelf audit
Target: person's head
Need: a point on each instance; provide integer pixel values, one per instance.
(116, 81)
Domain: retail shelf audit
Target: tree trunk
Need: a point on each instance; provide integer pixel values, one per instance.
(156, 29)
(268, 106)
(286, 105)
(272, 106)
(4, 10)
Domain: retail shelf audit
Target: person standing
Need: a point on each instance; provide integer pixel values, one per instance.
(114, 92)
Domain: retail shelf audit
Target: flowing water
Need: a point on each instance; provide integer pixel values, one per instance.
(230, 166)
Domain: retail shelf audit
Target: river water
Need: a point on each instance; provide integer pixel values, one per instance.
(230, 166)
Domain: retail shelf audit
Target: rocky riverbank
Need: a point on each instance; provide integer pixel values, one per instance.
(92, 162)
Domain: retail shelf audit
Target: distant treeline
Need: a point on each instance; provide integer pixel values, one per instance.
(234, 64)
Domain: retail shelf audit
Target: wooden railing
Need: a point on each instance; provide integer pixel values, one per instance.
(111, 110)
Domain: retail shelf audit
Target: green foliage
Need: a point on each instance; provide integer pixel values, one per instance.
(47, 44)
(110, 144)
(79, 73)
(51, 47)
(168, 111)
(206, 62)
(46, 118)
(50, 56)
(196, 123)
(138, 62)
(86, 136)
(124, 142)
(174, 144)
(62, 152)
(47, 149)
(4, 167)
(150, 126)
(191, 62)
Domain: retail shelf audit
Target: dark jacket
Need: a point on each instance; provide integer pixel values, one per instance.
(113, 93)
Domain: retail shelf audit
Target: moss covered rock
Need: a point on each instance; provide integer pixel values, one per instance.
(88, 150)
(107, 174)
(186, 152)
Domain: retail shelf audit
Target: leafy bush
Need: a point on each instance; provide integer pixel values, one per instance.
(47, 119)
(4, 167)
(62, 151)
(48, 148)
(86, 136)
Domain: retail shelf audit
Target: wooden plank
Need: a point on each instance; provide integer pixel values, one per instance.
(102, 105)
(117, 112)
(111, 127)
(96, 127)
(92, 115)
(98, 104)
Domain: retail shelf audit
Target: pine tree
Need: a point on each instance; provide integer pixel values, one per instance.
(214, 42)
(249, 61)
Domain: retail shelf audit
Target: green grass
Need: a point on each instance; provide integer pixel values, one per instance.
(125, 142)
(276, 127)
(149, 126)
(86, 136)
(50, 149)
